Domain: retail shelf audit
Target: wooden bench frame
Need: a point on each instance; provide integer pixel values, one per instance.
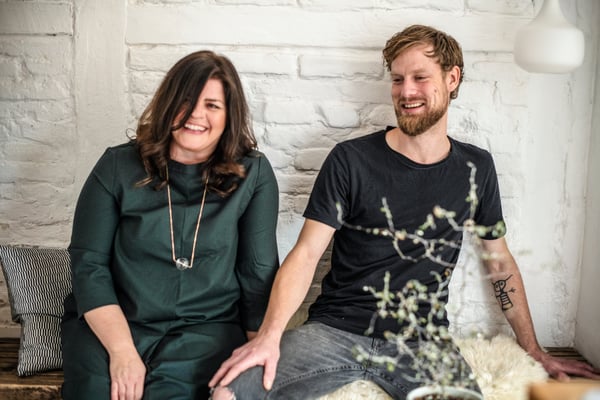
(44, 386)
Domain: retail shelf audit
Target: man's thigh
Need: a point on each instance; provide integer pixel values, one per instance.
(315, 359)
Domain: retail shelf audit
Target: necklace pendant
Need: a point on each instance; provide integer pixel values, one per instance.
(182, 264)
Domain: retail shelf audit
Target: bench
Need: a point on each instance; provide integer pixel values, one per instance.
(44, 386)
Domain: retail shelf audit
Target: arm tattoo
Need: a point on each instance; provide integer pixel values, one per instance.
(502, 294)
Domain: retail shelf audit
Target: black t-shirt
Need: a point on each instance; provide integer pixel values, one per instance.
(356, 176)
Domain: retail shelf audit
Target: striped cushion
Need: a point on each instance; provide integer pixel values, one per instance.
(38, 280)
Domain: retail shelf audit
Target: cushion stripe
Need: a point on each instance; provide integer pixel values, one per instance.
(38, 280)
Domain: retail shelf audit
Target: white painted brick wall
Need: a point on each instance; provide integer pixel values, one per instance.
(75, 74)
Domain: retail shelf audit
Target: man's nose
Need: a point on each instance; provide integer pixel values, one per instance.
(408, 89)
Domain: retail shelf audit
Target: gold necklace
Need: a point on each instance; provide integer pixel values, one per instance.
(183, 263)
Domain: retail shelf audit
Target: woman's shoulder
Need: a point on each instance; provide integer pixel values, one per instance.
(123, 149)
(255, 158)
(257, 165)
(125, 152)
(119, 160)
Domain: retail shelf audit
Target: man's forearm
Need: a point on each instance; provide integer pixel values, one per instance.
(295, 276)
(289, 290)
(510, 293)
(512, 299)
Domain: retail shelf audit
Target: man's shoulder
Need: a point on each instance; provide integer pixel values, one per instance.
(469, 150)
(363, 143)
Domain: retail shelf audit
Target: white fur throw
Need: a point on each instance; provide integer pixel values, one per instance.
(502, 369)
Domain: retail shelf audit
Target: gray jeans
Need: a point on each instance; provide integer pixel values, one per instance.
(317, 359)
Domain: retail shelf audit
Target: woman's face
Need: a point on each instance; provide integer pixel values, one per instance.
(197, 139)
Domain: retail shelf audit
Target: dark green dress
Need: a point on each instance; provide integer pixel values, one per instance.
(184, 323)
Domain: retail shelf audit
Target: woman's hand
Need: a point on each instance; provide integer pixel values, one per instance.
(127, 370)
(127, 374)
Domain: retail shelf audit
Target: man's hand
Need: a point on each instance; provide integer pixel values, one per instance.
(260, 351)
(561, 368)
(127, 374)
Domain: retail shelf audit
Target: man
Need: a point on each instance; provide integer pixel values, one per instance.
(414, 167)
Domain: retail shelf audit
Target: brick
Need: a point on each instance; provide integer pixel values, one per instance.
(310, 159)
(299, 203)
(39, 55)
(285, 111)
(296, 183)
(156, 58)
(257, 108)
(278, 158)
(288, 227)
(24, 171)
(55, 234)
(41, 149)
(290, 138)
(316, 66)
(380, 115)
(9, 66)
(511, 185)
(492, 67)
(145, 82)
(21, 17)
(476, 94)
(295, 203)
(508, 7)
(139, 102)
(339, 115)
(38, 87)
(38, 115)
(263, 61)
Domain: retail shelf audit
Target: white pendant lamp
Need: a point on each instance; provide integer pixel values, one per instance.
(549, 43)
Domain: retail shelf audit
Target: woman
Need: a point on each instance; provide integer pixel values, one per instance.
(173, 247)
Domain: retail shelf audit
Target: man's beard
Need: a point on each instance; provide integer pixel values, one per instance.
(414, 125)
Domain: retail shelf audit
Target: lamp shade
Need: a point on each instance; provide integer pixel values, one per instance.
(549, 43)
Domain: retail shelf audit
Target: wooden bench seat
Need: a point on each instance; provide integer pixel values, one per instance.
(45, 386)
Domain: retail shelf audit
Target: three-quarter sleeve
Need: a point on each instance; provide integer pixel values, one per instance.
(257, 258)
(94, 225)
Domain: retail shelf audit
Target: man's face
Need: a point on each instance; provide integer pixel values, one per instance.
(420, 90)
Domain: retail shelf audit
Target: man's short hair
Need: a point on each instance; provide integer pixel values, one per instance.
(445, 49)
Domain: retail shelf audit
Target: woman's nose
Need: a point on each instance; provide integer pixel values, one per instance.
(198, 112)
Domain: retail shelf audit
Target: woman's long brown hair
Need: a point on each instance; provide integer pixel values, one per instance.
(178, 93)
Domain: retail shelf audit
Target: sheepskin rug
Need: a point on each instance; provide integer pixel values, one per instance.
(502, 369)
